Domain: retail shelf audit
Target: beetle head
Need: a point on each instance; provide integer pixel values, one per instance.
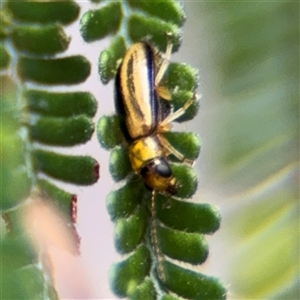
(158, 175)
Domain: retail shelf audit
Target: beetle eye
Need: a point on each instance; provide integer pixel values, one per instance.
(144, 171)
(163, 169)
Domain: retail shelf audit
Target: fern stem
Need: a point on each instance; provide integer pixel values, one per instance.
(154, 239)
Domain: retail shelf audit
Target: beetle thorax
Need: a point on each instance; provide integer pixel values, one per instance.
(143, 150)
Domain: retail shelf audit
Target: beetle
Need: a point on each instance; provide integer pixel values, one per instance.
(145, 107)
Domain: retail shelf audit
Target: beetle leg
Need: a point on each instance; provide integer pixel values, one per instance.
(165, 63)
(164, 93)
(169, 149)
(177, 113)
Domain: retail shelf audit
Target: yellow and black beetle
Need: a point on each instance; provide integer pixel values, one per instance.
(144, 105)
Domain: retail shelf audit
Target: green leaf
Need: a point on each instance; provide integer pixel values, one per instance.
(66, 104)
(169, 297)
(13, 166)
(34, 39)
(67, 70)
(4, 57)
(16, 253)
(107, 125)
(121, 203)
(43, 12)
(11, 178)
(182, 81)
(192, 285)
(179, 99)
(126, 276)
(21, 278)
(140, 27)
(187, 216)
(14, 173)
(93, 29)
(32, 281)
(65, 201)
(5, 22)
(187, 179)
(187, 247)
(119, 164)
(62, 131)
(110, 59)
(82, 170)
(168, 10)
(181, 77)
(145, 290)
(181, 139)
(129, 232)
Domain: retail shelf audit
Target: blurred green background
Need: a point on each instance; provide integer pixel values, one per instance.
(248, 57)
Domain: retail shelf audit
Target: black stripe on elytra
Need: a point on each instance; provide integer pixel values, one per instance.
(151, 80)
(131, 87)
(120, 106)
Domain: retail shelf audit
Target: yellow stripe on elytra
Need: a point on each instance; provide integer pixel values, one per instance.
(136, 91)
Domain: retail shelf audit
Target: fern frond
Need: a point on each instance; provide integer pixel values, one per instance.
(179, 225)
(32, 34)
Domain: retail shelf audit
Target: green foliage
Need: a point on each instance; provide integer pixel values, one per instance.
(4, 57)
(109, 59)
(5, 22)
(189, 247)
(256, 141)
(174, 228)
(148, 21)
(181, 139)
(169, 297)
(66, 104)
(122, 203)
(63, 12)
(26, 254)
(125, 241)
(187, 178)
(106, 125)
(126, 276)
(62, 131)
(180, 98)
(141, 28)
(111, 16)
(169, 11)
(63, 119)
(145, 290)
(182, 81)
(82, 170)
(119, 164)
(33, 39)
(67, 70)
(21, 277)
(192, 285)
(31, 34)
(64, 200)
(188, 217)
(13, 169)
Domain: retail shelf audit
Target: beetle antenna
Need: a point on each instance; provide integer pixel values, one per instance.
(154, 239)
